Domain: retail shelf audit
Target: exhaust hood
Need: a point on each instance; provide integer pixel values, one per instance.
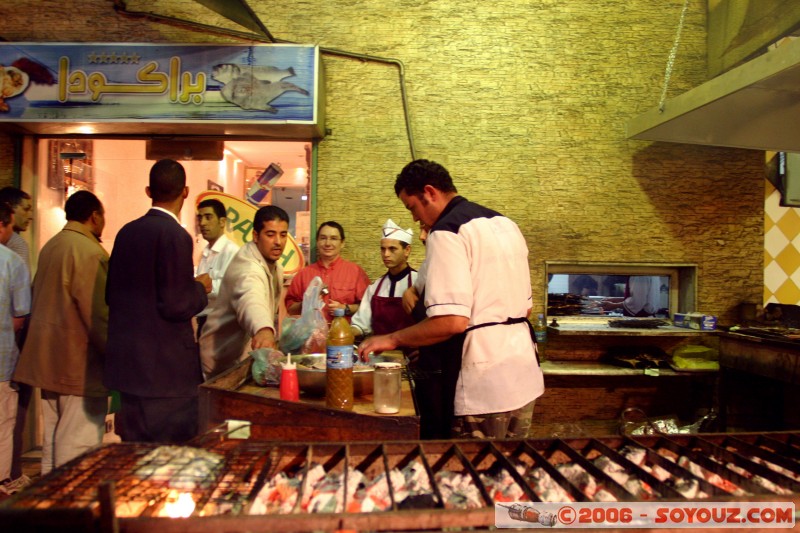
(755, 105)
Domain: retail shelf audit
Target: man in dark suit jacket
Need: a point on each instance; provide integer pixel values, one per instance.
(151, 357)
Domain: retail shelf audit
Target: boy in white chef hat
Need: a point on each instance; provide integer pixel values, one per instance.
(393, 231)
(381, 310)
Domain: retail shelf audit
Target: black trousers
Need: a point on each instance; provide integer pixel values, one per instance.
(168, 420)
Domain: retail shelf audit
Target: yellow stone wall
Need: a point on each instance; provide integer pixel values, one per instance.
(524, 101)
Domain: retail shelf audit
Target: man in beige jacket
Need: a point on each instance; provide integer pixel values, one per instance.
(245, 314)
(64, 352)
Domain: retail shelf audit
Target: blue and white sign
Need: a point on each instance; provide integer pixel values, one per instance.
(115, 82)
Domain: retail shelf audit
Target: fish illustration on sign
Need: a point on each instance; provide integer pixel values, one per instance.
(254, 86)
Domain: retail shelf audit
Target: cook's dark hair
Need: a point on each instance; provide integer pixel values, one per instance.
(417, 174)
(13, 196)
(5, 213)
(81, 205)
(267, 213)
(216, 205)
(332, 224)
(167, 180)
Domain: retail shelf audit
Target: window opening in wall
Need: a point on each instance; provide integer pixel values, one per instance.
(594, 291)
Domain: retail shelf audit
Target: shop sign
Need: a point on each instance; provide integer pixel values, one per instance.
(117, 82)
(239, 229)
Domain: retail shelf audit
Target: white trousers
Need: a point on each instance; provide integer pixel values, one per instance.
(8, 418)
(72, 425)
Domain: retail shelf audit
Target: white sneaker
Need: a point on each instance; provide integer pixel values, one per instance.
(17, 485)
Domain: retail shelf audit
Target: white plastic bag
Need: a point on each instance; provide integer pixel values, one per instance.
(301, 335)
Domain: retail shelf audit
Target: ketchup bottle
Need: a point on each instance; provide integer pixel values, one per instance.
(289, 389)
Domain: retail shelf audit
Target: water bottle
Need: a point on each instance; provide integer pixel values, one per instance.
(540, 331)
(339, 363)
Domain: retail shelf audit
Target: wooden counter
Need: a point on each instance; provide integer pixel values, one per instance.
(234, 395)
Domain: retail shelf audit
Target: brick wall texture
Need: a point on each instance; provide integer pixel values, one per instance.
(525, 103)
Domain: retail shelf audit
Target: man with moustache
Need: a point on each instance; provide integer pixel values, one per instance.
(245, 315)
(151, 354)
(66, 344)
(477, 293)
(217, 255)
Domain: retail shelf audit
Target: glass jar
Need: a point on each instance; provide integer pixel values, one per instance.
(386, 389)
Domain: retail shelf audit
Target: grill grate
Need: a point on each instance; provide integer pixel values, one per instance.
(737, 467)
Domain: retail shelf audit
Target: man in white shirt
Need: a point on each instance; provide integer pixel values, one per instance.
(478, 290)
(381, 310)
(22, 206)
(15, 304)
(245, 314)
(217, 255)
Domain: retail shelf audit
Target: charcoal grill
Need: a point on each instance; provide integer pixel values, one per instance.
(99, 490)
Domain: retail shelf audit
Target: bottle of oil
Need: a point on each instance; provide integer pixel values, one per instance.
(540, 331)
(339, 363)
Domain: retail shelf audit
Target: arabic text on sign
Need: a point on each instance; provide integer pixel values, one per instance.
(179, 85)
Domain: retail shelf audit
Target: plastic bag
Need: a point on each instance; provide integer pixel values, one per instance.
(303, 334)
(266, 368)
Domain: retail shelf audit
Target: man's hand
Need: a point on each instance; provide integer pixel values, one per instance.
(205, 279)
(376, 344)
(410, 298)
(264, 338)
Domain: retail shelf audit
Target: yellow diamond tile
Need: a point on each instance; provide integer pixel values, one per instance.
(789, 223)
(788, 293)
(769, 297)
(767, 259)
(772, 206)
(768, 223)
(789, 259)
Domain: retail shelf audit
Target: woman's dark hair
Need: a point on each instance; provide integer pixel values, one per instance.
(332, 224)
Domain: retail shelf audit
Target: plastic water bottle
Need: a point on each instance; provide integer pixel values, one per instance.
(339, 363)
(540, 331)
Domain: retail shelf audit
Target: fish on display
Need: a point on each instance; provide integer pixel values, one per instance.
(254, 86)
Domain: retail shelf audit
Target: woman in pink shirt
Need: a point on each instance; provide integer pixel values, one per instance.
(346, 281)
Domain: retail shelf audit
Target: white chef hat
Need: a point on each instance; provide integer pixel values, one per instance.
(393, 231)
